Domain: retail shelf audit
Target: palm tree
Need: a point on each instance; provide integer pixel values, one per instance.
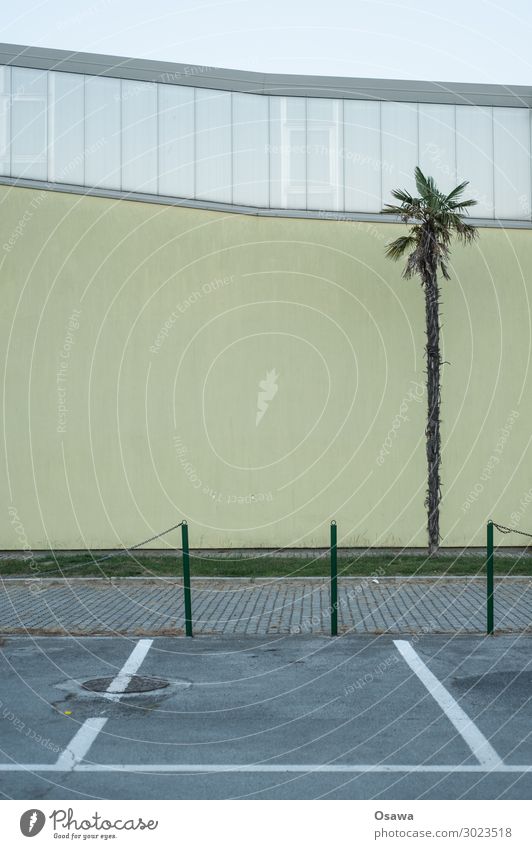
(434, 218)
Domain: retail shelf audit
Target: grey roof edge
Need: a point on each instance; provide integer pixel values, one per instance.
(214, 206)
(477, 94)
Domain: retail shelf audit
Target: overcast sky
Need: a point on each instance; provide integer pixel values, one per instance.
(455, 40)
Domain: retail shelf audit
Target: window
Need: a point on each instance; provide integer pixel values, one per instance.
(102, 132)
(66, 115)
(250, 150)
(176, 141)
(399, 148)
(213, 145)
(139, 136)
(362, 156)
(511, 128)
(474, 155)
(28, 124)
(324, 162)
(437, 144)
(288, 145)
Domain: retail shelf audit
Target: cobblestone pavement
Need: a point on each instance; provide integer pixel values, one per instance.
(266, 606)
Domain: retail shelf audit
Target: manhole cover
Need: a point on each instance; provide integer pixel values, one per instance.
(137, 684)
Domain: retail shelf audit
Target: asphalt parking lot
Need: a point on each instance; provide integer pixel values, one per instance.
(288, 717)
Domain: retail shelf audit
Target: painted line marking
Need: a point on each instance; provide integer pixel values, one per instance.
(81, 742)
(269, 768)
(119, 684)
(265, 768)
(470, 733)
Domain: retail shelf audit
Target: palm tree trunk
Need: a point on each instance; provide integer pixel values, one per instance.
(432, 432)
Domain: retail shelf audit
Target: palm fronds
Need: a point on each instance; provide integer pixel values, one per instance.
(396, 249)
(435, 213)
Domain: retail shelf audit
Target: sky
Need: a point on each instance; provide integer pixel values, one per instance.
(455, 41)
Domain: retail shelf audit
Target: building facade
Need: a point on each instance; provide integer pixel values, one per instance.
(199, 320)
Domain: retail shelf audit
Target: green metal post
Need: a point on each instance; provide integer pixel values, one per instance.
(489, 577)
(334, 582)
(186, 580)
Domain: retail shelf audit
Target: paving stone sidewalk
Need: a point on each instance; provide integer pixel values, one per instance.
(266, 606)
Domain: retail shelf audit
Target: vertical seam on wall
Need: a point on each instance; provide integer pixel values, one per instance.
(195, 147)
(455, 141)
(10, 120)
(493, 157)
(157, 165)
(120, 137)
(418, 152)
(306, 153)
(380, 155)
(530, 162)
(307, 157)
(194, 144)
(269, 153)
(84, 78)
(232, 174)
(342, 154)
(47, 123)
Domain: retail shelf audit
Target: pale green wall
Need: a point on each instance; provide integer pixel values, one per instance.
(314, 299)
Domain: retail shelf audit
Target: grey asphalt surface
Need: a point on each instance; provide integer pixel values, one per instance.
(255, 702)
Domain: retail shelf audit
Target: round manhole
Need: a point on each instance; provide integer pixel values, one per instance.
(136, 684)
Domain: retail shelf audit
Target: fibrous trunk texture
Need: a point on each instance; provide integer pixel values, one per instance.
(432, 432)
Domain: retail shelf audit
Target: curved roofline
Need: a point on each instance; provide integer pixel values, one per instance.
(251, 82)
(241, 209)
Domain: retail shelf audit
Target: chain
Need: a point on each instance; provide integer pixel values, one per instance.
(115, 553)
(504, 530)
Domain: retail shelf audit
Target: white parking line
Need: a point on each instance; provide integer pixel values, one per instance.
(118, 685)
(81, 743)
(86, 735)
(298, 768)
(473, 736)
(268, 768)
